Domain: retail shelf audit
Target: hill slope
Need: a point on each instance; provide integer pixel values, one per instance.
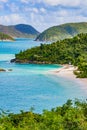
(5, 37)
(62, 31)
(20, 30)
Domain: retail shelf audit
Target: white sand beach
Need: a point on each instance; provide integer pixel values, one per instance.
(67, 72)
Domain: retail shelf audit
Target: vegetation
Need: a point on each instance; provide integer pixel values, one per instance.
(67, 117)
(62, 31)
(20, 30)
(67, 51)
(5, 37)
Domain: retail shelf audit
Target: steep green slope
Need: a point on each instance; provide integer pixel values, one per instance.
(62, 31)
(5, 37)
(72, 50)
(20, 30)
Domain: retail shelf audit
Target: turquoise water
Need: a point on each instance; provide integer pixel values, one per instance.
(29, 85)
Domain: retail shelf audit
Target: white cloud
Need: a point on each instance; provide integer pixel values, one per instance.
(29, 1)
(1, 7)
(30, 10)
(4, 1)
(62, 2)
(71, 3)
(12, 19)
(56, 2)
(42, 22)
(13, 7)
(44, 15)
(43, 10)
(35, 10)
(25, 1)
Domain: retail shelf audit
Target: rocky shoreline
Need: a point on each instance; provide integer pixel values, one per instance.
(4, 70)
(29, 62)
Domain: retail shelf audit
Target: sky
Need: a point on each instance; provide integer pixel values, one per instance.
(42, 14)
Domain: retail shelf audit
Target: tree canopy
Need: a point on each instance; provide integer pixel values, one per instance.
(70, 116)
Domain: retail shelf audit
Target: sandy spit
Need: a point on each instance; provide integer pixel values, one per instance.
(67, 72)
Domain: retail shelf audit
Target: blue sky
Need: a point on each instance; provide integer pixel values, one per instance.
(42, 14)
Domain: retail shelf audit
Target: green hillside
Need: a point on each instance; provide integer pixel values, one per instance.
(73, 50)
(20, 30)
(5, 37)
(62, 31)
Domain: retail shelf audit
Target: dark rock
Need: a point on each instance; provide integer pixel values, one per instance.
(12, 60)
(2, 70)
(9, 69)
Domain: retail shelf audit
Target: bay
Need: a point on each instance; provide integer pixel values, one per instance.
(29, 85)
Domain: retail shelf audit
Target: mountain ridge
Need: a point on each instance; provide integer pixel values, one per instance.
(19, 30)
(63, 31)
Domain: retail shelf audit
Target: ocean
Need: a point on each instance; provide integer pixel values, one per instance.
(29, 85)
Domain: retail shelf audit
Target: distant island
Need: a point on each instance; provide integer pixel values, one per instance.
(63, 31)
(5, 37)
(69, 51)
(19, 30)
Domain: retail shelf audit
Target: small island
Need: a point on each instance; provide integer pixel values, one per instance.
(2, 70)
(5, 37)
(5, 70)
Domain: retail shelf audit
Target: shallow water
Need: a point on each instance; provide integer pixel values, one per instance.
(29, 85)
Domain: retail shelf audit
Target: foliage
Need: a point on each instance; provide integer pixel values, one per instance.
(70, 116)
(83, 70)
(67, 51)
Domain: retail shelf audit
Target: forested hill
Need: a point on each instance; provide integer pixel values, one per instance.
(62, 31)
(72, 50)
(5, 37)
(20, 30)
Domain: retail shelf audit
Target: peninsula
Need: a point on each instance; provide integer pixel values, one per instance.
(69, 51)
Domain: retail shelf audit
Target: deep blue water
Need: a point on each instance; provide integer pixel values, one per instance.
(29, 85)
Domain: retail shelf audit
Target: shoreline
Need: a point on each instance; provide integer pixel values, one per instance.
(67, 72)
(6, 40)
